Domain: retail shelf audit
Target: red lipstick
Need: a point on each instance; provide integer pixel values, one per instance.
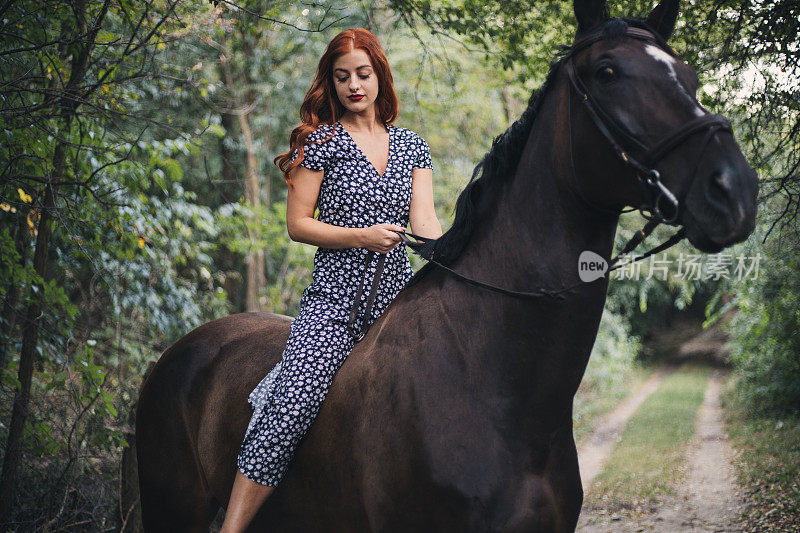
(356, 97)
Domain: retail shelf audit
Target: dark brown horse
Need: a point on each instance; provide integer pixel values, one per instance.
(455, 412)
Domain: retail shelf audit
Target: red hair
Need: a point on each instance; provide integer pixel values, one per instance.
(322, 105)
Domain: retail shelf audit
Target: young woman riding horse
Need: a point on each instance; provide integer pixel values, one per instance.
(454, 413)
(335, 155)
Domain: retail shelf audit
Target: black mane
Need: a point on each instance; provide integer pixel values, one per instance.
(500, 162)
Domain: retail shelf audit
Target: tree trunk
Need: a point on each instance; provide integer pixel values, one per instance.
(266, 135)
(226, 154)
(12, 295)
(233, 284)
(30, 337)
(255, 280)
(508, 104)
(256, 277)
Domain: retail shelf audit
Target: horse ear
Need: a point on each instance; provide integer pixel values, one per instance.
(589, 13)
(663, 17)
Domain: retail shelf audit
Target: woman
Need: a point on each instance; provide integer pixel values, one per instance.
(369, 179)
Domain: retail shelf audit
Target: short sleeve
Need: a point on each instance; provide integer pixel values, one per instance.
(315, 154)
(423, 159)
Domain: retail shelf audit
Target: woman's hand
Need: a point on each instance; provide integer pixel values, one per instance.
(381, 237)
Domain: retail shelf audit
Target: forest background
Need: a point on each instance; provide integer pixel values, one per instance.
(138, 198)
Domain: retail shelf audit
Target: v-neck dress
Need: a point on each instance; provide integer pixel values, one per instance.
(354, 195)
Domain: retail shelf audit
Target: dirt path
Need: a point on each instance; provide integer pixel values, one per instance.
(707, 500)
(593, 451)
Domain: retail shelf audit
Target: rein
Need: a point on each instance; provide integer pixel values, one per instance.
(648, 177)
(638, 237)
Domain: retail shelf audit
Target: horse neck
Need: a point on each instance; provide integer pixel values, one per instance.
(531, 239)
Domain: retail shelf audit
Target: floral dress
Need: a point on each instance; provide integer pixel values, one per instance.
(353, 195)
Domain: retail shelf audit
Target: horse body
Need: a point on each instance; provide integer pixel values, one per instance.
(454, 413)
(467, 427)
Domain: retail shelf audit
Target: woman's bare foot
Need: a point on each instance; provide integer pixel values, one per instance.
(247, 496)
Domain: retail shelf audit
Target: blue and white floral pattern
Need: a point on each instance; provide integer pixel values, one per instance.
(352, 194)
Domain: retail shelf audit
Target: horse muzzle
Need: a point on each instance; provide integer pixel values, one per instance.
(721, 204)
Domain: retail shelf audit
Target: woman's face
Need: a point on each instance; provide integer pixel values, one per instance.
(355, 81)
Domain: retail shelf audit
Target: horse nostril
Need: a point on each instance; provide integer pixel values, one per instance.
(721, 194)
(720, 184)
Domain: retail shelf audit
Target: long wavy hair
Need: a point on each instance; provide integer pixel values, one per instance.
(322, 105)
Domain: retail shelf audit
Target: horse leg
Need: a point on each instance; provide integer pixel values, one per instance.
(564, 478)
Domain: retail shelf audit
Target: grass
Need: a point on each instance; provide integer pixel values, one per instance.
(593, 402)
(648, 459)
(767, 466)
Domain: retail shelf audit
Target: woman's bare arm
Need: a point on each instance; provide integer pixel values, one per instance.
(303, 227)
(422, 215)
(300, 222)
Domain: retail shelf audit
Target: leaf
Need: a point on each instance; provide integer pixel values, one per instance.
(9, 380)
(109, 405)
(24, 196)
(32, 218)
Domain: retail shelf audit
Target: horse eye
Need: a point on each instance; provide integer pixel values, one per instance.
(606, 74)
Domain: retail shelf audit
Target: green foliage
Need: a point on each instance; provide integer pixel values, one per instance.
(643, 292)
(519, 35)
(98, 400)
(613, 353)
(766, 335)
(129, 261)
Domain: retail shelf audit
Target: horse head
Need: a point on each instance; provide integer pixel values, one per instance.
(640, 137)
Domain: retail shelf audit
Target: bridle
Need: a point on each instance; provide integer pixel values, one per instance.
(643, 165)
